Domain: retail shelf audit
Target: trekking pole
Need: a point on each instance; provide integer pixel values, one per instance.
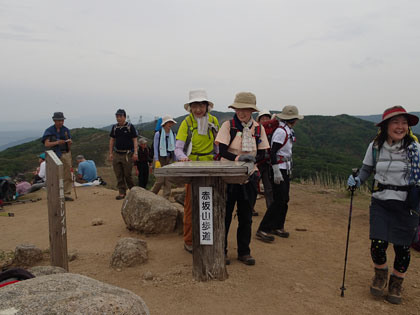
(355, 171)
(74, 181)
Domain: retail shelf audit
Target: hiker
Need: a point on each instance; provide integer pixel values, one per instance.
(39, 175)
(123, 152)
(264, 165)
(164, 147)
(58, 138)
(144, 163)
(22, 185)
(242, 139)
(86, 170)
(393, 156)
(195, 142)
(281, 164)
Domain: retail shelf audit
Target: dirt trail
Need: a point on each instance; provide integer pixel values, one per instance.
(299, 275)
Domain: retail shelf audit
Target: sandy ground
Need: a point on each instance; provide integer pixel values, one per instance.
(299, 275)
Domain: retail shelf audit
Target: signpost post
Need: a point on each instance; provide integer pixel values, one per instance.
(208, 180)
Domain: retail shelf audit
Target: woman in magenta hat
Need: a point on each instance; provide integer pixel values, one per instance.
(393, 156)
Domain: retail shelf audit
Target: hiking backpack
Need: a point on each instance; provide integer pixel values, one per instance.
(7, 189)
(190, 129)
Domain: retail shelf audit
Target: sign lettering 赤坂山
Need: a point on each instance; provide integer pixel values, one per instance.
(206, 215)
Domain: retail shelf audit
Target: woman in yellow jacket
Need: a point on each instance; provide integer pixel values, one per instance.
(195, 142)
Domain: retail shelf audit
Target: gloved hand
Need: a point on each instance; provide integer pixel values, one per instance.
(157, 164)
(278, 177)
(247, 158)
(353, 181)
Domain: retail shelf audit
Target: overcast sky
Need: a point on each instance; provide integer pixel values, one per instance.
(88, 58)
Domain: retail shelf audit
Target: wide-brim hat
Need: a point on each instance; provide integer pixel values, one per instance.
(245, 100)
(166, 119)
(262, 113)
(395, 111)
(289, 112)
(58, 116)
(197, 96)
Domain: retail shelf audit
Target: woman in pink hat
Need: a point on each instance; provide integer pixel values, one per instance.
(393, 156)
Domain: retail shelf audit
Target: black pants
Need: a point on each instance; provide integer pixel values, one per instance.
(243, 195)
(275, 215)
(143, 169)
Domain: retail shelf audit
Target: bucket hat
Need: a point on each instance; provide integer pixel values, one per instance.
(199, 95)
(42, 156)
(262, 113)
(289, 112)
(395, 111)
(245, 100)
(58, 116)
(166, 119)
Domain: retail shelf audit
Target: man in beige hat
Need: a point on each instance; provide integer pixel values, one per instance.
(195, 142)
(242, 139)
(281, 161)
(164, 147)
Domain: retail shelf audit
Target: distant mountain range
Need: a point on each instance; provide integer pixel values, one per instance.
(325, 145)
(377, 118)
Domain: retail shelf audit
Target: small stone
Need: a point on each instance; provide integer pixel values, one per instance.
(129, 252)
(118, 269)
(148, 275)
(97, 221)
(73, 255)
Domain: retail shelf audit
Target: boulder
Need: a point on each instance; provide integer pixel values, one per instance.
(38, 271)
(129, 252)
(145, 212)
(68, 293)
(27, 255)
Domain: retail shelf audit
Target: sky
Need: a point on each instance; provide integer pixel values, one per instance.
(87, 58)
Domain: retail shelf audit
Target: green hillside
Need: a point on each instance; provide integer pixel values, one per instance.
(325, 144)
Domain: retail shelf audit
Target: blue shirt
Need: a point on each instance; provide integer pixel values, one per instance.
(88, 170)
(52, 135)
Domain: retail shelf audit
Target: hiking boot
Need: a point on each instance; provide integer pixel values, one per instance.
(379, 282)
(262, 236)
(67, 198)
(247, 260)
(280, 233)
(119, 197)
(254, 213)
(188, 248)
(394, 289)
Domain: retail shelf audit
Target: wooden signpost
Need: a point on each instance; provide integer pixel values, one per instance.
(208, 180)
(56, 210)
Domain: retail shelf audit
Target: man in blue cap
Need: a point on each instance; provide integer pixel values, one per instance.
(57, 138)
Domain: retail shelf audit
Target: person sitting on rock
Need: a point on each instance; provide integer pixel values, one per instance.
(86, 171)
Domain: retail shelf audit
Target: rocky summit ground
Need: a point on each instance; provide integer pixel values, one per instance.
(299, 275)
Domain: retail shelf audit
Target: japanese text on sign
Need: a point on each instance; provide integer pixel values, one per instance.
(206, 215)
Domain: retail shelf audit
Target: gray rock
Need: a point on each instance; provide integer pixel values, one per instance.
(68, 293)
(179, 197)
(97, 221)
(129, 252)
(39, 271)
(27, 255)
(145, 212)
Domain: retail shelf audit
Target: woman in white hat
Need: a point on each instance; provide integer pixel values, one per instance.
(195, 142)
(242, 139)
(281, 161)
(164, 147)
(394, 210)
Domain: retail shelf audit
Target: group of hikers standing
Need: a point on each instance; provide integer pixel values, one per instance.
(393, 157)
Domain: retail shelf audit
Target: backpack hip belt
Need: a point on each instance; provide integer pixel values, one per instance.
(283, 159)
(380, 187)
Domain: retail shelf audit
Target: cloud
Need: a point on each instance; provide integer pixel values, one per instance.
(368, 62)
